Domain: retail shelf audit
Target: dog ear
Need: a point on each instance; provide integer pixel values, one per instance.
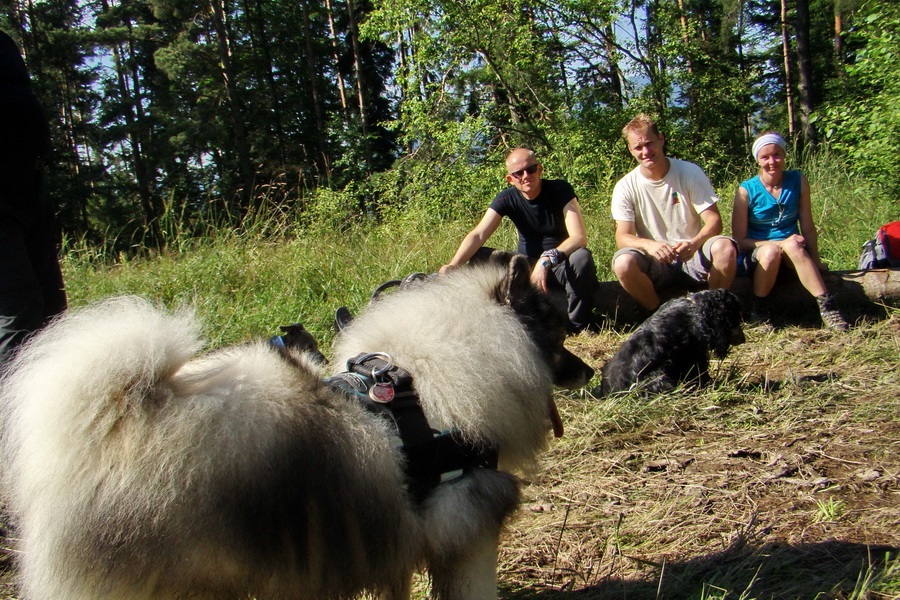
(517, 281)
(706, 317)
(722, 313)
(499, 257)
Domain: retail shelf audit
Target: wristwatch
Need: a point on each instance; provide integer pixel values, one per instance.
(545, 262)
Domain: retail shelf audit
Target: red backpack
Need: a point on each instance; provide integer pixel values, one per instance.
(883, 251)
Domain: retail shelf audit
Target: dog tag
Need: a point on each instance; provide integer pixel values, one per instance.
(381, 392)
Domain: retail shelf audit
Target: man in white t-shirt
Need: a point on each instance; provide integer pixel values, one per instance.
(667, 222)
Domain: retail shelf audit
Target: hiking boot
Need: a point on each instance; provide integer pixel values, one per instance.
(759, 314)
(831, 316)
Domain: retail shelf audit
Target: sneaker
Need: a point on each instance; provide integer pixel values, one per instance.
(831, 316)
(759, 314)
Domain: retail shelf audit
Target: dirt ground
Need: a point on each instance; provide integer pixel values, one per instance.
(782, 480)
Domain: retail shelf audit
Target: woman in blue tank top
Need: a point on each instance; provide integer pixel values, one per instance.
(772, 224)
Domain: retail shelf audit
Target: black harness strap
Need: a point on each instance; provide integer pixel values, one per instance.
(429, 454)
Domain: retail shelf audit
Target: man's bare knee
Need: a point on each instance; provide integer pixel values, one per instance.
(625, 266)
(723, 251)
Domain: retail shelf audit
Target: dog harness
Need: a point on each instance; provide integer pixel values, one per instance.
(432, 456)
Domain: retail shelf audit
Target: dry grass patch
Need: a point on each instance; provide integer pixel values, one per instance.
(781, 480)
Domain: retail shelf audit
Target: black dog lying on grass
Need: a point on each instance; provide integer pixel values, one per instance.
(672, 346)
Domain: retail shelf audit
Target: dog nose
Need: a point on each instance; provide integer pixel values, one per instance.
(571, 372)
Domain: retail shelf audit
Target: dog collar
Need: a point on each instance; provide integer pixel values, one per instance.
(432, 456)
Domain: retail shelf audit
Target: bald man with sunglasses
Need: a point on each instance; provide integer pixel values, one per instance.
(551, 234)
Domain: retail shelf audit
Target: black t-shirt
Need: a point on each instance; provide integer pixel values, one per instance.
(540, 222)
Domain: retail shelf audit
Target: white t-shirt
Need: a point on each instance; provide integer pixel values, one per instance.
(666, 210)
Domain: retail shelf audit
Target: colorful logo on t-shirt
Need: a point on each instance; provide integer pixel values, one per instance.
(675, 198)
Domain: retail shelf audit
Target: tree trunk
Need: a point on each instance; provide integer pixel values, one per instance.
(229, 76)
(318, 112)
(786, 53)
(657, 63)
(262, 42)
(336, 56)
(838, 38)
(804, 62)
(130, 97)
(745, 74)
(360, 82)
(615, 73)
(857, 293)
(684, 33)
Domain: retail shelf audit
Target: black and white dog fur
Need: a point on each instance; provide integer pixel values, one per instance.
(672, 346)
(142, 471)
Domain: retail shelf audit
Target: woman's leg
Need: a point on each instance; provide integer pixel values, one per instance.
(807, 271)
(768, 261)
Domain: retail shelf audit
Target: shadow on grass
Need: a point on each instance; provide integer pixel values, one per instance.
(819, 571)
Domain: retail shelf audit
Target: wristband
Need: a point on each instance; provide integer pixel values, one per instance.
(555, 256)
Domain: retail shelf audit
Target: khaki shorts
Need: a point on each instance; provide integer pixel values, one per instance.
(667, 275)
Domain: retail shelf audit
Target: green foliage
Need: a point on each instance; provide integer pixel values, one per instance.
(864, 124)
(333, 210)
(280, 103)
(592, 157)
(202, 103)
(711, 74)
(847, 207)
(468, 63)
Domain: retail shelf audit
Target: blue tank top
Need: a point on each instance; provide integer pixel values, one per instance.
(770, 218)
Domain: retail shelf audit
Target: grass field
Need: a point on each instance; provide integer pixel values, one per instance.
(782, 480)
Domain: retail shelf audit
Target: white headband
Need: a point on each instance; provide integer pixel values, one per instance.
(765, 140)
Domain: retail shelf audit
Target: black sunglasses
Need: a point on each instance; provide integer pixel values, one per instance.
(530, 170)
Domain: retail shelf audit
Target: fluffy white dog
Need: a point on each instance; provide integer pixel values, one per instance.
(141, 471)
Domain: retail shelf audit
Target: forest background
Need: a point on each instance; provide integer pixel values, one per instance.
(357, 111)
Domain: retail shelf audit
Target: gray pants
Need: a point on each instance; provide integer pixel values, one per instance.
(577, 276)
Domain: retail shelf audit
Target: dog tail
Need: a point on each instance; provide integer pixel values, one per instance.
(73, 382)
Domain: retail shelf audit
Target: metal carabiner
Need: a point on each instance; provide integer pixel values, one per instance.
(381, 371)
